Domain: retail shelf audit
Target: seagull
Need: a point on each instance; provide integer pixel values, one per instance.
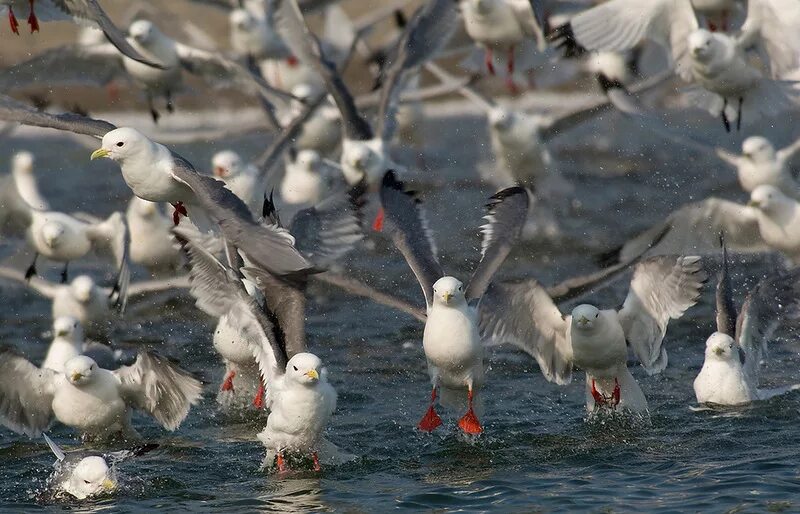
(61, 237)
(724, 82)
(365, 151)
(760, 164)
(304, 181)
(94, 401)
(597, 340)
(86, 474)
(82, 11)
(322, 132)
(325, 233)
(452, 345)
(243, 179)
(502, 25)
(19, 193)
(778, 218)
(152, 245)
(734, 353)
(297, 392)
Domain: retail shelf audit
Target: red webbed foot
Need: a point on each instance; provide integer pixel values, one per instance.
(281, 463)
(489, 61)
(227, 384)
(469, 422)
(32, 20)
(12, 20)
(377, 225)
(258, 401)
(180, 210)
(317, 467)
(615, 396)
(599, 399)
(430, 420)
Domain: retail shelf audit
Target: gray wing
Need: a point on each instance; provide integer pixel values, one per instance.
(523, 314)
(114, 234)
(425, 35)
(220, 292)
(160, 388)
(773, 302)
(285, 304)
(91, 10)
(326, 232)
(695, 228)
(662, 288)
(37, 284)
(26, 394)
(268, 247)
(408, 227)
(68, 65)
(217, 68)
(358, 288)
(505, 217)
(17, 112)
(726, 311)
(305, 45)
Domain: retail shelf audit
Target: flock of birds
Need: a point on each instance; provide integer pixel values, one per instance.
(254, 235)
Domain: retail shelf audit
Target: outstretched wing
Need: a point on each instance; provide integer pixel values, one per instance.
(17, 112)
(662, 288)
(26, 394)
(159, 387)
(523, 314)
(408, 227)
(505, 217)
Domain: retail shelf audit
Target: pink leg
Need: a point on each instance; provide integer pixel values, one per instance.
(281, 463)
(227, 384)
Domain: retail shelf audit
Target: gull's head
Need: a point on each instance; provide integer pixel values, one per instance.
(448, 291)
(766, 199)
(701, 44)
(91, 476)
(360, 157)
(79, 370)
(226, 164)
(758, 149)
(22, 162)
(722, 347)
(67, 327)
(308, 159)
(142, 31)
(122, 143)
(501, 118)
(305, 368)
(52, 232)
(241, 19)
(585, 317)
(82, 287)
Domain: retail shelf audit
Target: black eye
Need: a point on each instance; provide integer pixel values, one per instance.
(597, 315)
(86, 482)
(295, 368)
(459, 288)
(120, 143)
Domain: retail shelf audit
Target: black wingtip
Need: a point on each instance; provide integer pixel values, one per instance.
(506, 193)
(606, 83)
(564, 39)
(609, 258)
(400, 19)
(390, 181)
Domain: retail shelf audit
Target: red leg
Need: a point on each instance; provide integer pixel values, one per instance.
(377, 225)
(711, 26)
(615, 396)
(12, 20)
(280, 462)
(180, 210)
(488, 59)
(32, 21)
(469, 422)
(430, 420)
(227, 384)
(510, 84)
(292, 61)
(317, 467)
(598, 398)
(258, 401)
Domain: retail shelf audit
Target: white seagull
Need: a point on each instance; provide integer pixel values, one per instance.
(761, 164)
(734, 353)
(94, 401)
(597, 340)
(452, 345)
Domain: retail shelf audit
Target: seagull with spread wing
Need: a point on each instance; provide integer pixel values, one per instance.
(453, 347)
(94, 401)
(761, 164)
(734, 353)
(597, 340)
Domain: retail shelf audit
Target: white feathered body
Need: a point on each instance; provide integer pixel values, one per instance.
(781, 231)
(285, 75)
(728, 73)
(494, 25)
(92, 314)
(301, 185)
(247, 185)
(723, 382)
(151, 243)
(154, 182)
(95, 408)
(772, 173)
(298, 415)
(379, 161)
(454, 352)
(238, 358)
(155, 80)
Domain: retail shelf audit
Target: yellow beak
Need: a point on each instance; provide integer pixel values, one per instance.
(109, 485)
(100, 152)
(76, 377)
(753, 203)
(313, 374)
(447, 296)
(719, 351)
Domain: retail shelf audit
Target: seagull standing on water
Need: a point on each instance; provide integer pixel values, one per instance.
(596, 340)
(453, 347)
